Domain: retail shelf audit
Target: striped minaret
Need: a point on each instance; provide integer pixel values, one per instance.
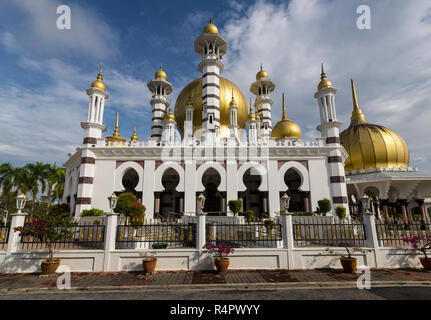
(329, 128)
(262, 88)
(160, 88)
(211, 47)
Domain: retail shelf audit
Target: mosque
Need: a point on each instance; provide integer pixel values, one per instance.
(167, 172)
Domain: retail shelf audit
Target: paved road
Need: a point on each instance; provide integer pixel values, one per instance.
(379, 293)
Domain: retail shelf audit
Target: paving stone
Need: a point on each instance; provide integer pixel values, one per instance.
(311, 276)
(243, 277)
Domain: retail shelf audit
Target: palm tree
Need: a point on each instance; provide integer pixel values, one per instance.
(35, 180)
(7, 175)
(55, 177)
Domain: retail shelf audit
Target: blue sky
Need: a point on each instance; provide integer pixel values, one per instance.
(44, 71)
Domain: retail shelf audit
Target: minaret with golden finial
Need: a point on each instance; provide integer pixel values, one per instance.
(252, 124)
(168, 132)
(115, 138)
(233, 118)
(211, 47)
(134, 137)
(329, 128)
(188, 122)
(97, 96)
(262, 88)
(160, 89)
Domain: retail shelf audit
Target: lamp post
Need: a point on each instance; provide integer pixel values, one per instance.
(365, 200)
(20, 202)
(201, 200)
(285, 199)
(4, 216)
(113, 199)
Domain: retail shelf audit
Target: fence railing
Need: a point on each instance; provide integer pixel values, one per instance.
(157, 234)
(253, 234)
(4, 237)
(83, 236)
(392, 232)
(315, 232)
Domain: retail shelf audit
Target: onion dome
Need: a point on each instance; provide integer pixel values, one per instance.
(116, 135)
(134, 137)
(261, 74)
(98, 84)
(211, 28)
(370, 145)
(160, 74)
(324, 83)
(286, 128)
(169, 116)
(251, 115)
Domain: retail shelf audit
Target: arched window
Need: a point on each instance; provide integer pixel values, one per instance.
(130, 180)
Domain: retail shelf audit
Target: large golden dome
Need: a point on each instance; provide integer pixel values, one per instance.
(286, 128)
(194, 90)
(370, 145)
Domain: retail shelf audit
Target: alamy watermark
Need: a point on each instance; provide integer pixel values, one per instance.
(64, 21)
(364, 280)
(63, 281)
(364, 20)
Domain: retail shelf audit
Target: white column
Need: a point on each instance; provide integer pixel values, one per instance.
(201, 234)
(371, 234)
(148, 188)
(287, 234)
(110, 239)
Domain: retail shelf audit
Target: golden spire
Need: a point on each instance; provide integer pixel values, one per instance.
(116, 135)
(324, 83)
(211, 28)
(284, 117)
(357, 116)
(134, 137)
(251, 115)
(255, 109)
(169, 116)
(189, 101)
(232, 102)
(116, 131)
(98, 84)
(160, 73)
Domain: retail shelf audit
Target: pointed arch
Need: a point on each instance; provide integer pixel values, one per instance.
(216, 166)
(121, 171)
(260, 169)
(302, 171)
(158, 176)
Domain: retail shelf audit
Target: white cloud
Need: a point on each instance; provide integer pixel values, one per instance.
(390, 63)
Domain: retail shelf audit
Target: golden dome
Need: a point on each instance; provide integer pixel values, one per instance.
(261, 74)
(370, 145)
(116, 135)
(134, 137)
(324, 83)
(169, 116)
(211, 28)
(98, 84)
(194, 90)
(160, 74)
(286, 128)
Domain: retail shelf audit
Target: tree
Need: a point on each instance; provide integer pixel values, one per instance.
(55, 177)
(235, 206)
(7, 175)
(125, 201)
(340, 212)
(35, 180)
(324, 206)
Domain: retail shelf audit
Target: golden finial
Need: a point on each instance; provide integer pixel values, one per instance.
(251, 115)
(324, 82)
(211, 28)
(232, 102)
(284, 117)
(169, 115)
(160, 73)
(98, 84)
(134, 137)
(116, 131)
(357, 115)
(261, 74)
(255, 107)
(190, 101)
(116, 135)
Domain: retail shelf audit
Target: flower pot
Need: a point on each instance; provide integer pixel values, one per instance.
(349, 265)
(149, 265)
(50, 266)
(221, 264)
(426, 263)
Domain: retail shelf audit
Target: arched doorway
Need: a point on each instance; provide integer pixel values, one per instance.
(211, 180)
(170, 197)
(252, 197)
(299, 200)
(130, 181)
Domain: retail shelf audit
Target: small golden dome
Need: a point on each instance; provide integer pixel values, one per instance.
(116, 135)
(232, 102)
(251, 115)
(261, 74)
(98, 84)
(286, 128)
(211, 28)
(134, 137)
(370, 145)
(169, 116)
(324, 83)
(160, 74)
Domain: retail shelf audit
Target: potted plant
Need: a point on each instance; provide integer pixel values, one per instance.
(425, 261)
(48, 229)
(149, 262)
(235, 206)
(221, 251)
(347, 261)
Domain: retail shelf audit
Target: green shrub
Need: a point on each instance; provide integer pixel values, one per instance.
(93, 212)
(324, 206)
(59, 210)
(249, 214)
(235, 206)
(125, 201)
(137, 213)
(159, 245)
(340, 212)
(269, 224)
(302, 214)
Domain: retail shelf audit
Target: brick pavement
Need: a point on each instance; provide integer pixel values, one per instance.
(130, 279)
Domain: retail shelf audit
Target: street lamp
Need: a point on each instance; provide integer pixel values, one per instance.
(365, 200)
(285, 200)
(20, 202)
(113, 199)
(201, 200)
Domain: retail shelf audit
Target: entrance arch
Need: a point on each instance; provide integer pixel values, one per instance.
(170, 197)
(252, 198)
(211, 181)
(299, 200)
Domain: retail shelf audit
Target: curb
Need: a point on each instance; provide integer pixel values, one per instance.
(229, 286)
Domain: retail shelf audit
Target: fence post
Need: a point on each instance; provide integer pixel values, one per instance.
(371, 235)
(14, 241)
(287, 234)
(110, 238)
(201, 234)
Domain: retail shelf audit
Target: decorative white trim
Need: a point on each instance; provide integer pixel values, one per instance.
(302, 171)
(122, 169)
(260, 169)
(203, 168)
(160, 171)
